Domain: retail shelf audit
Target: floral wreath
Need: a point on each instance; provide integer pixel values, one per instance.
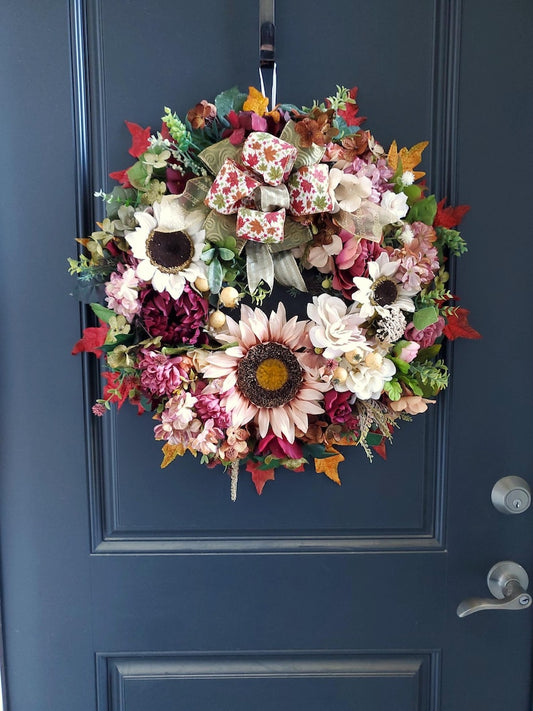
(215, 210)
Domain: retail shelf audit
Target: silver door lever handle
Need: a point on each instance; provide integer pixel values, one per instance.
(508, 582)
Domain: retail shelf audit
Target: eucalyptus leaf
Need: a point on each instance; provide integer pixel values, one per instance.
(214, 276)
(425, 317)
(225, 254)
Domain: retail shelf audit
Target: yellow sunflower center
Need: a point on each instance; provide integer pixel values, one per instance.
(271, 374)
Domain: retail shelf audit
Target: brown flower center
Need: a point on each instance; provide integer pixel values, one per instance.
(384, 291)
(269, 375)
(169, 251)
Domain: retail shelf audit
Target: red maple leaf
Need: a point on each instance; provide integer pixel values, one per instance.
(449, 216)
(121, 176)
(349, 114)
(140, 138)
(259, 476)
(458, 326)
(381, 449)
(93, 337)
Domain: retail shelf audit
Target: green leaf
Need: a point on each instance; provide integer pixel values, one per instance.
(214, 276)
(428, 353)
(225, 254)
(316, 451)
(102, 313)
(402, 366)
(208, 255)
(412, 384)
(229, 100)
(425, 317)
(451, 239)
(393, 389)
(373, 439)
(423, 211)
(138, 175)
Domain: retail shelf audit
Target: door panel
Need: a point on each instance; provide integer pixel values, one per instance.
(126, 587)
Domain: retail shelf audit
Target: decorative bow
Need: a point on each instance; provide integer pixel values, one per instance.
(254, 194)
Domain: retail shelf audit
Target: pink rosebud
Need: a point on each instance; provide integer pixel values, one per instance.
(408, 353)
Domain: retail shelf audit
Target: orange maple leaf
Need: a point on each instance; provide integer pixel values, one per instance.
(270, 154)
(255, 102)
(170, 452)
(408, 157)
(256, 227)
(329, 465)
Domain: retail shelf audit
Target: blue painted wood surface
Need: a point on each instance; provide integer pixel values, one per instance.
(127, 587)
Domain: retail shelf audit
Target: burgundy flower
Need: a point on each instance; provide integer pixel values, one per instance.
(279, 447)
(338, 408)
(176, 321)
(176, 181)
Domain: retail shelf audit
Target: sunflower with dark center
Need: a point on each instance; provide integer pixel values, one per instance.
(168, 245)
(269, 376)
(382, 292)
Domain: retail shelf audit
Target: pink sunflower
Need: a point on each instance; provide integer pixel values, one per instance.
(266, 377)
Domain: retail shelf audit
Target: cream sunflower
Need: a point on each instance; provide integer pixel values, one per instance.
(168, 245)
(266, 377)
(382, 291)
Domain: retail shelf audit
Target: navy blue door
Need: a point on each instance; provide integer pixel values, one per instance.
(126, 587)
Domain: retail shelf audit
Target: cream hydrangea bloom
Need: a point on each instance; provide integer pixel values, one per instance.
(348, 190)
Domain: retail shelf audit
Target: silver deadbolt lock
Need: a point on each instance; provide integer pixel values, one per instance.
(511, 495)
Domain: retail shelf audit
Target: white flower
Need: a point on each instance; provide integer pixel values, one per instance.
(395, 203)
(347, 190)
(169, 246)
(367, 379)
(382, 292)
(337, 327)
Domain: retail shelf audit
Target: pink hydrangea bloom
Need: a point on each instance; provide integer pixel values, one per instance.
(178, 422)
(419, 259)
(122, 295)
(208, 406)
(161, 375)
(208, 439)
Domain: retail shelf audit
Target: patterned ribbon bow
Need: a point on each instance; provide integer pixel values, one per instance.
(255, 193)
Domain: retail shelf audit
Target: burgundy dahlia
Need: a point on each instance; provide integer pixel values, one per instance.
(176, 321)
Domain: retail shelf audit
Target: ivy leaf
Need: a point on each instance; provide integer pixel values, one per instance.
(423, 211)
(214, 276)
(102, 313)
(230, 100)
(425, 317)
